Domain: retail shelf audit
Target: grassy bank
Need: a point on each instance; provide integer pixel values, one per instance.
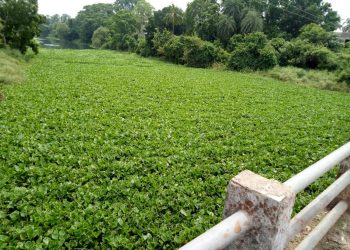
(108, 150)
(311, 78)
(11, 68)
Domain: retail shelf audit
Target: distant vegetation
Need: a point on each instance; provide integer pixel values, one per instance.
(108, 150)
(238, 35)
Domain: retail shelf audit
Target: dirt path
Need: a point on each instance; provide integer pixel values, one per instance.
(338, 238)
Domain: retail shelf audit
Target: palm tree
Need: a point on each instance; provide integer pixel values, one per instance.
(226, 27)
(174, 16)
(245, 19)
(251, 22)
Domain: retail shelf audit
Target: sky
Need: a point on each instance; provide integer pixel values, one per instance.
(72, 7)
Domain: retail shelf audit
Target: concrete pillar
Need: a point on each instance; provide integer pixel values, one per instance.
(270, 204)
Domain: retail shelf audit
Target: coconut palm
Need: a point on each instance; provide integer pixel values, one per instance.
(251, 22)
(226, 27)
(245, 20)
(174, 17)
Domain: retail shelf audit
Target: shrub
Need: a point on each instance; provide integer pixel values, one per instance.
(174, 50)
(344, 76)
(193, 52)
(160, 39)
(252, 53)
(124, 42)
(315, 34)
(300, 53)
(222, 56)
(312, 78)
(234, 42)
(199, 53)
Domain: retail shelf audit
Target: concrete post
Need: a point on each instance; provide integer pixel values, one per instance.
(270, 204)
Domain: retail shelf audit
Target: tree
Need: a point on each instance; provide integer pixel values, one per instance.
(61, 30)
(91, 18)
(125, 5)
(174, 17)
(346, 26)
(288, 17)
(251, 22)
(201, 19)
(246, 20)
(21, 23)
(315, 34)
(238, 18)
(226, 28)
(124, 28)
(100, 38)
(143, 12)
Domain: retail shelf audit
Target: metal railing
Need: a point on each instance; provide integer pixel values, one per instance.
(221, 236)
(236, 226)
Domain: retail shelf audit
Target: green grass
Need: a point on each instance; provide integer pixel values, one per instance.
(310, 78)
(108, 150)
(10, 67)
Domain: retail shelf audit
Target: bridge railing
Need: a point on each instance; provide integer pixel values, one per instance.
(258, 211)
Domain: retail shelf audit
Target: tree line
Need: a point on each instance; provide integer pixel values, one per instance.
(242, 35)
(122, 24)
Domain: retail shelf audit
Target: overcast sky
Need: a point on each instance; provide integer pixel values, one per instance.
(72, 7)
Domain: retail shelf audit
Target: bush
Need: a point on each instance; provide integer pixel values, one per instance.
(160, 39)
(174, 50)
(315, 34)
(193, 52)
(312, 78)
(344, 76)
(124, 42)
(277, 43)
(300, 53)
(234, 42)
(199, 53)
(252, 53)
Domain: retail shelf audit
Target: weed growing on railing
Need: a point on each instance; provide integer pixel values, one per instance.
(106, 150)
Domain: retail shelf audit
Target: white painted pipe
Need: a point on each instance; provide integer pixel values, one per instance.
(223, 234)
(317, 205)
(302, 180)
(311, 241)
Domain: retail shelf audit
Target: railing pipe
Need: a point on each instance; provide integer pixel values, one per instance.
(302, 180)
(322, 229)
(317, 205)
(222, 235)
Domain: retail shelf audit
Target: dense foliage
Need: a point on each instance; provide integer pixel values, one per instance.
(255, 46)
(20, 24)
(137, 153)
(233, 33)
(210, 32)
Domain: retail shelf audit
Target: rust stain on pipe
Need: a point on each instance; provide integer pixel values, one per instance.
(237, 228)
